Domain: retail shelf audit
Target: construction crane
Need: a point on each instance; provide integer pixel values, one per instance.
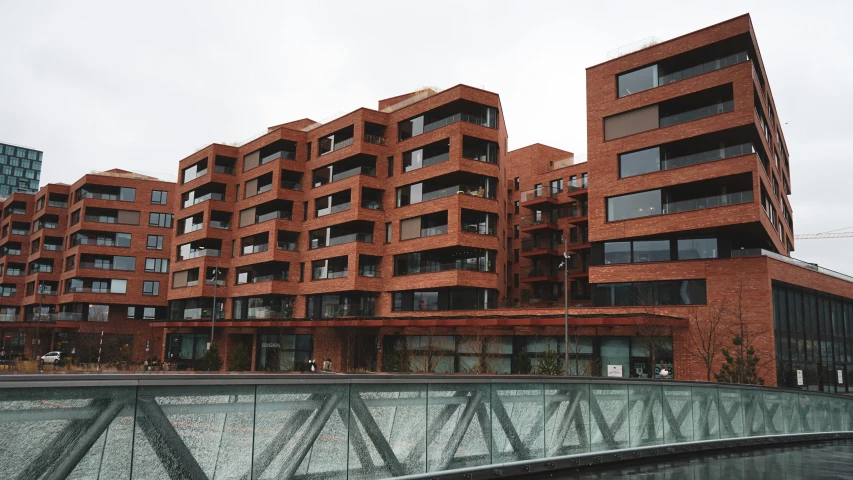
(830, 234)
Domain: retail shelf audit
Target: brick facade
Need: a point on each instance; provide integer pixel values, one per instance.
(533, 220)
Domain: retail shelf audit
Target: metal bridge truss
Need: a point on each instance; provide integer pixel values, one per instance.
(340, 427)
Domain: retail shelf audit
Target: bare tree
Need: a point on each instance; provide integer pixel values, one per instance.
(743, 361)
(707, 332)
(484, 347)
(653, 332)
(576, 354)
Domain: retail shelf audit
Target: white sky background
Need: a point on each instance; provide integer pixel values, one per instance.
(141, 85)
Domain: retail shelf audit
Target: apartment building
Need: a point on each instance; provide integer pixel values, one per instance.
(20, 169)
(83, 261)
(408, 238)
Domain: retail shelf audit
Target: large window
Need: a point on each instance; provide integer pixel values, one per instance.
(158, 265)
(454, 299)
(158, 197)
(665, 292)
(617, 252)
(634, 205)
(651, 251)
(638, 80)
(694, 248)
(639, 162)
(155, 242)
(160, 219)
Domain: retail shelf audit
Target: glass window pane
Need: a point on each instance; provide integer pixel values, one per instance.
(638, 80)
(651, 251)
(118, 286)
(636, 163)
(690, 249)
(617, 252)
(635, 205)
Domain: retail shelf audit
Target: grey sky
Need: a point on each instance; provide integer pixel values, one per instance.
(140, 85)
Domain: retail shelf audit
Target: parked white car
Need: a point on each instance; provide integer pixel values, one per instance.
(50, 357)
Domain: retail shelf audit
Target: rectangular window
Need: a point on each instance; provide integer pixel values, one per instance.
(157, 265)
(388, 232)
(667, 292)
(517, 184)
(158, 197)
(515, 231)
(390, 166)
(516, 207)
(116, 286)
(127, 194)
(651, 251)
(131, 312)
(150, 288)
(617, 252)
(515, 255)
(639, 162)
(160, 219)
(637, 80)
(634, 205)
(695, 248)
(155, 242)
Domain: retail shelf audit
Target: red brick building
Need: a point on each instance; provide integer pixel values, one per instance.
(410, 238)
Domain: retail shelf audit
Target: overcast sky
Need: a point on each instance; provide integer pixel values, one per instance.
(141, 85)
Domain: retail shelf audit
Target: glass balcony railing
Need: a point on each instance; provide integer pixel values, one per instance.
(291, 185)
(364, 170)
(320, 275)
(264, 188)
(349, 310)
(100, 219)
(223, 169)
(375, 139)
(188, 177)
(480, 155)
(343, 143)
(532, 220)
(697, 113)
(463, 117)
(333, 209)
(371, 204)
(707, 202)
(541, 272)
(703, 68)
(88, 290)
(276, 155)
(541, 192)
(207, 252)
(192, 228)
(430, 231)
(456, 189)
(282, 277)
(8, 317)
(289, 246)
(219, 282)
(54, 203)
(478, 228)
(209, 196)
(22, 232)
(250, 249)
(255, 313)
(352, 237)
(274, 215)
(52, 247)
(707, 156)
(220, 225)
(16, 211)
(434, 267)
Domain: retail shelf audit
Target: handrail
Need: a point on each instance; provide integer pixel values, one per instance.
(604, 416)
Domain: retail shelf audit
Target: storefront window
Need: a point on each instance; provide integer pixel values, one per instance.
(284, 353)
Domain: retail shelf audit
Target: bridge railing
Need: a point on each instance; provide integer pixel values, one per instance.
(343, 426)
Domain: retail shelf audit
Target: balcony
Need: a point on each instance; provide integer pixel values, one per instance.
(274, 215)
(220, 225)
(282, 277)
(374, 139)
(348, 310)
(697, 113)
(369, 171)
(336, 141)
(225, 169)
(530, 245)
(291, 185)
(341, 207)
(276, 154)
(708, 202)
(250, 249)
(57, 204)
(535, 222)
(707, 156)
(540, 192)
(257, 313)
(288, 246)
(353, 237)
(480, 150)
(205, 252)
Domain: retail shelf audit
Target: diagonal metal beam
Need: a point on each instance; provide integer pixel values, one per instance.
(310, 436)
(75, 452)
(726, 417)
(770, 413)
(461, 427)
(173, 453)
(362, 451)
(263, 460)
(50, 454)
(509, 429)
(676, 421)
(485, 422)
(572, 416)
(380, 443)
(608, 430)
(647, 419)
(437, 424)
(550, 410)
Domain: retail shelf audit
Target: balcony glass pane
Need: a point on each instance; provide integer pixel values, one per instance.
(638, 80)
(634, 205)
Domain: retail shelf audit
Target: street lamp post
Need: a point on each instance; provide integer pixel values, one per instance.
(215, 284)
(37, 340)
(565, 266)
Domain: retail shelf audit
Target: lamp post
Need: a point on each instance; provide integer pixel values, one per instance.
(565, 266)
(37, 340)
(215, 284)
